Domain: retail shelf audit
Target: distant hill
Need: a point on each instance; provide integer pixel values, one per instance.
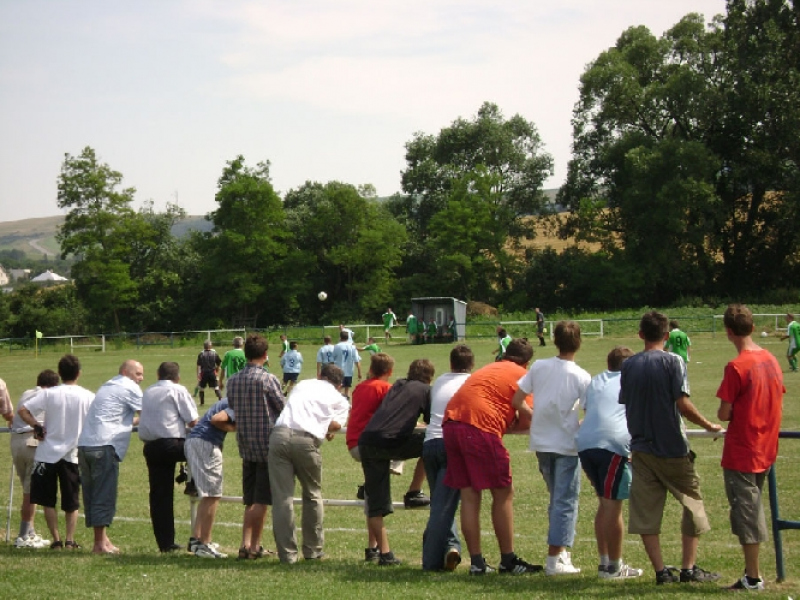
(35, 237)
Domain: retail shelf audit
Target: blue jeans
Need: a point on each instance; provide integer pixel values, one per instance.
(562, 474)
(440, 534)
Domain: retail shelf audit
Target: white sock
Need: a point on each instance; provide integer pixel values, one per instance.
(604, 560)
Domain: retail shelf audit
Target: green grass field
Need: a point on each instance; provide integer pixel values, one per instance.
(141, 572)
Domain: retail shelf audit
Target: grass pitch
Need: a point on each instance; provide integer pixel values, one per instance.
(141, 572)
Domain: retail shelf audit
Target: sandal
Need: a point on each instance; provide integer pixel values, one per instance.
(244, 554)
(72, 545)
(57, 545)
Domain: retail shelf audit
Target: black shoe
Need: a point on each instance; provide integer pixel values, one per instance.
(484, 570)
(745, 584)
(519, 567)
(698, 575)
(360, 492)
(372, 554)
(416, 500)
(388, 560)
(193, 544)
(190, 489)
(668, 575)
(171, 548)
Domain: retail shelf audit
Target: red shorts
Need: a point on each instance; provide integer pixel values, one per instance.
(475, 459)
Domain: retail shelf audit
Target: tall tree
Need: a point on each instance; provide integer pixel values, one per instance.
(351, 244)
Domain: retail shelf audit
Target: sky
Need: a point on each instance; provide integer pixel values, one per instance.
(168, 91)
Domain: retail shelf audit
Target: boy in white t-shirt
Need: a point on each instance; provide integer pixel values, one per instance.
(557, 385)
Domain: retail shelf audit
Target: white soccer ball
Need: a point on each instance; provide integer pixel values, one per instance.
(764, 334)
(322, 296)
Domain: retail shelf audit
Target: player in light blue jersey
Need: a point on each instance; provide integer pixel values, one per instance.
(345, 356)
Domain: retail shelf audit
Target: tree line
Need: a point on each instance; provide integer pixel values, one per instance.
(683, 188)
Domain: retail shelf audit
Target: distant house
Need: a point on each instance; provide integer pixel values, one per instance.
(4, 278)
(17, 274)
(48, 277)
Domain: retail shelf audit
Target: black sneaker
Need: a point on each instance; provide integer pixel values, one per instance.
(519, 567)
(360, 492)
(698, 575)
(744, 584)
(668, 575)
(388, 560)
(372, 554)
(416, 500)
(485, 570)
(193, 544)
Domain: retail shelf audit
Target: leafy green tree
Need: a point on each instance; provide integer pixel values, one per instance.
(247, 259)
(669, 168)
(350, 245)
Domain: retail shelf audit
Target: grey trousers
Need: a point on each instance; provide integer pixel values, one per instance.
(294, 453)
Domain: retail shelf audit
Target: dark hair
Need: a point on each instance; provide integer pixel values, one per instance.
(738, 319)
(169, 371)
(343, 335)
(255, 346)
(332, 374)
(653, 326)
(380, 364)
(326, 339)
(47, 378)
(567, 336)
(462, 360)
(292, 345)
(69, 367)
(618, 356)
(501, 332)
(673, 324)
(519, 351)
(422, 370)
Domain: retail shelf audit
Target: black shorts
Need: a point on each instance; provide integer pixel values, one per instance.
(45, 482)
(375, 463)
(208, 378)
(287, 377)
(255, 483)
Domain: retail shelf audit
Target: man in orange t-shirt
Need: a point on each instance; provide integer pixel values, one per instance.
(476, 418)
(751, 395)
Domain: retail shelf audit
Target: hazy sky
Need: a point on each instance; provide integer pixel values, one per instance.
(167, 91)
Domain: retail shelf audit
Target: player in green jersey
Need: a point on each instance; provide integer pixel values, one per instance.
(372, 347)
(389, 321)
(793, 335)
(678, 342)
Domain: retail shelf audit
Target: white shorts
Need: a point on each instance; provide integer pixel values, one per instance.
(205, 467)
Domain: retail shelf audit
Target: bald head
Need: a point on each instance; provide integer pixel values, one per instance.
(132, 370)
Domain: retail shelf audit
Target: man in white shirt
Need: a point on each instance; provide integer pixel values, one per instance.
(102, 446)
(314, 411)
(23, 450)
(167, 410)
(65, 407)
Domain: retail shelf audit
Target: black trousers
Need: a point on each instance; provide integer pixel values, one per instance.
(161, 457)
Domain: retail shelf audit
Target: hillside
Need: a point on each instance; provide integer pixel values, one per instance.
(35, 237)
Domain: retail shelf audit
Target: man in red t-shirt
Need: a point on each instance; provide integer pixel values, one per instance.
(751, 395)
(367, 397)
(476, 418)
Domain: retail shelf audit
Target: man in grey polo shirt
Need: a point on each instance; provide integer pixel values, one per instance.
(167, 410)
(102, 445)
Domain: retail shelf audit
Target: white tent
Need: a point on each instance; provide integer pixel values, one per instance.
(48, 276)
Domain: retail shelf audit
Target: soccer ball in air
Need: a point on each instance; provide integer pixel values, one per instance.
(764, 334)
(322, 296)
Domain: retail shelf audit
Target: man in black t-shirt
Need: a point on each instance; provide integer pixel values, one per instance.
(208, 362)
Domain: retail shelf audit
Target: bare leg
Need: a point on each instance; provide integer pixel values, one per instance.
(254, 517)
(503, 518)
(471, 519)
(378, 532)
(751, 560)
(51, 517)
(419, 477)
(612, 526)
(204, 521)
(689, 550)
(652, 545)
(103, 545)
(599, 530)
(71, 519)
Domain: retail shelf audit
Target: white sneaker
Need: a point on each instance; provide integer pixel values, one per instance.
(624, 572)
(206, 551)
(31, 541)
(561, 566)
